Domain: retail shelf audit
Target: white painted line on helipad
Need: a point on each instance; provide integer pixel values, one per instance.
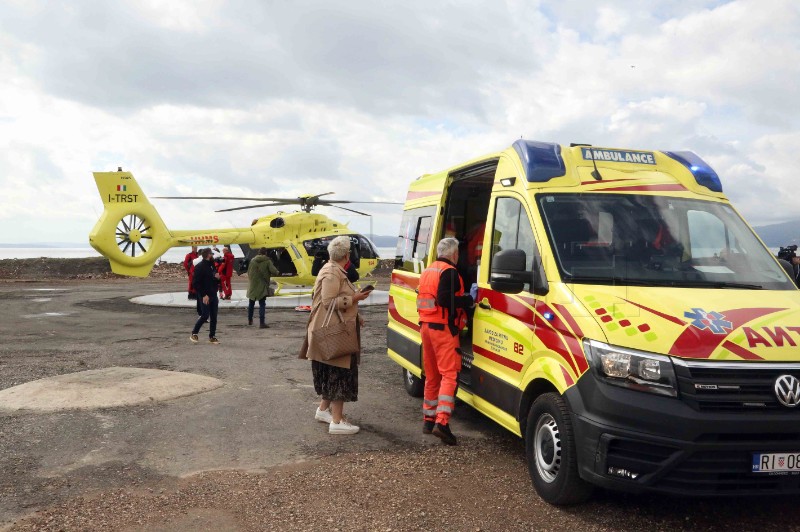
(45, 289)
(287, 299)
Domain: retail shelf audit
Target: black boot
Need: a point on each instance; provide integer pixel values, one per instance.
(443, 433)
(263, 326)
(427, 426)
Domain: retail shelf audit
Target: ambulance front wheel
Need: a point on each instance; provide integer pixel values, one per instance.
(413, 384)
(550, 449)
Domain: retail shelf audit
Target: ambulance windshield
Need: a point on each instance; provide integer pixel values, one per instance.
(656, 241)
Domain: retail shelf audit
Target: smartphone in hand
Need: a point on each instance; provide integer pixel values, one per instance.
(368, 288)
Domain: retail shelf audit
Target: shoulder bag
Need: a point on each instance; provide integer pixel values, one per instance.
(335, 337)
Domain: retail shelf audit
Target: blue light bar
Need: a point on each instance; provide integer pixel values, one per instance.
(702, 172)
(541, 160)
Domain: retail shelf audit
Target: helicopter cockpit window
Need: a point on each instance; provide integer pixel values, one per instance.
(366, 249)
(360, 247)
(317, 246)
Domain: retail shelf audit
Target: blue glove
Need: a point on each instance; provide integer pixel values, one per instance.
(473, 291)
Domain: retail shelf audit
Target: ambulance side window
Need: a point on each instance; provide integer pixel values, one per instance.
(512, 230)
(413, 242)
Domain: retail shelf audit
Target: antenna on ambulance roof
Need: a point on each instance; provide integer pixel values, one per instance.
(595, 172)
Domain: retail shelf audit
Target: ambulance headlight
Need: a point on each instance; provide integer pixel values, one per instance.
(638, 370)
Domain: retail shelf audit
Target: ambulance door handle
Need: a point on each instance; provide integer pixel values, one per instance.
(484, 304)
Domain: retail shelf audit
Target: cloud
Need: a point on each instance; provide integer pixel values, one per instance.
(249, 98)
(416, 58)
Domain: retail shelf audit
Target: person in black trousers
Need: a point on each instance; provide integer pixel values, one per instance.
(206, 284)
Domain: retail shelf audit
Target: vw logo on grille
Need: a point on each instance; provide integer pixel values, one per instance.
(787, 390)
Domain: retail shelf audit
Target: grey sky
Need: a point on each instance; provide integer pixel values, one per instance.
(277, 98)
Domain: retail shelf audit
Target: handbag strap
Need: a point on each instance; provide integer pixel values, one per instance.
(334, 306)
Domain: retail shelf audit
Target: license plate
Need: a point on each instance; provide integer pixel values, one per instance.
(774, 462)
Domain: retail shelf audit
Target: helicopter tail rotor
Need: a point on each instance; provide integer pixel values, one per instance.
(130, 233)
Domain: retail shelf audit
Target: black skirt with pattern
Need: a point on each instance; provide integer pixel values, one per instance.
(334, 383)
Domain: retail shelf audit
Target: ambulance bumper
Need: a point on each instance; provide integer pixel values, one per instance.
(635, 441)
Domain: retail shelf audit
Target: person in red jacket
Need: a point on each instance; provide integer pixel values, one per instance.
(219, 267)
(188, 265)
(442, 305)
(225, 273)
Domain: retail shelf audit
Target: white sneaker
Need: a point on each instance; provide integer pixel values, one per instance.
(323, 416)
(343, 427)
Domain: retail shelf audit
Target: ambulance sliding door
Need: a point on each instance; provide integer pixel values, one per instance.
(503, 323)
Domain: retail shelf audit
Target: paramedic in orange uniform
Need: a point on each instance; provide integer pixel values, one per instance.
(442, 305)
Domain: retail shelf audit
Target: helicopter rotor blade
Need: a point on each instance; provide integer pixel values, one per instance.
(287, 200)
(306, 203)
(253, 206)
(351, 210)
(331, 202)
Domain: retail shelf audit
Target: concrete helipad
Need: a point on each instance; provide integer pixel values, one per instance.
(104, 388)
(288, 298)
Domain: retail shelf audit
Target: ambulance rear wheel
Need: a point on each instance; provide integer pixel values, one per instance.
(413, 384)
(550, 450)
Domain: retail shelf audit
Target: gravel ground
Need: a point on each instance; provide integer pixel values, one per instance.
(116, 469)
(472, 487)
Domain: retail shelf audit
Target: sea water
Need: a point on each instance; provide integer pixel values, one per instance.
(174, 255)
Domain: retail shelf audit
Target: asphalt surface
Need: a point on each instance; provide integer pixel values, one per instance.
(249, 455)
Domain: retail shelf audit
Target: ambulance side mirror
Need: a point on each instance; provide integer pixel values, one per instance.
(508, 274)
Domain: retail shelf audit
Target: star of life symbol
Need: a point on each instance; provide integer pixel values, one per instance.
(713, 321)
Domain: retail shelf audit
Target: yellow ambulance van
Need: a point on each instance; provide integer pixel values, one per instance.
(629, 323)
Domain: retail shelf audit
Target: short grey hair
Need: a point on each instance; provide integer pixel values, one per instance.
(339, 248)
(447, 247)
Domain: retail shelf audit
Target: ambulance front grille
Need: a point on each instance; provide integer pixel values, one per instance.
(732, 387)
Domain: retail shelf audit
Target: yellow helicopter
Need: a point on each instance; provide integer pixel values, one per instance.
(132, 236)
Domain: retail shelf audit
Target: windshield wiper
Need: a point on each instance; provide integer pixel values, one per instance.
(659, 282)
(609, 280)
(715, 284)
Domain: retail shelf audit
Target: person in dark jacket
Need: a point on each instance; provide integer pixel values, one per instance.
(206, 284)
(258, 276)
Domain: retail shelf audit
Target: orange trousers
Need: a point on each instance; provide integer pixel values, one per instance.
(441, 362)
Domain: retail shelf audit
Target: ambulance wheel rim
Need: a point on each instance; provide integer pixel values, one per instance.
(133, 236)
(547, 447)
(413, 384)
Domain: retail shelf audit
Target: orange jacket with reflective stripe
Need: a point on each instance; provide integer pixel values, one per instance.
(427, 306)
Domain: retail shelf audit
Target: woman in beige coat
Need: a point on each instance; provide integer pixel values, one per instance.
(335, 380)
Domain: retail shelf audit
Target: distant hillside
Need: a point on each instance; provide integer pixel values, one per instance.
(782, 234)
